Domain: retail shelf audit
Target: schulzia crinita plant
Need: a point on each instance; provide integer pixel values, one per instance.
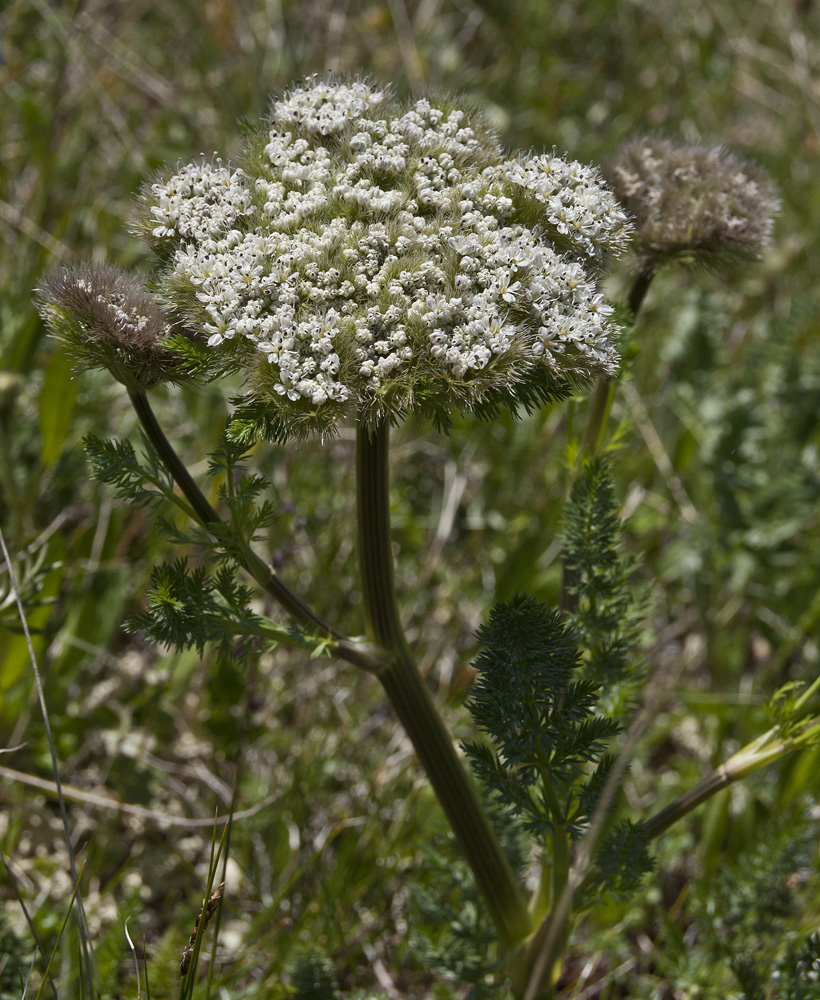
(367, 260)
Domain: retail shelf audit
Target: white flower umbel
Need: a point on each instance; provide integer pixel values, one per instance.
(382, 259)
(201, 200)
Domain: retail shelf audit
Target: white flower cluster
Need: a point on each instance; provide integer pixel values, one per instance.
(574, 200)
(199, 201)
(370, 252)
(326, 108)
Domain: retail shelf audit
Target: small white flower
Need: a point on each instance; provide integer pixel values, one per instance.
(363, 247)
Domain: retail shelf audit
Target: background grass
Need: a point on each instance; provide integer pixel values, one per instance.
(725, 385)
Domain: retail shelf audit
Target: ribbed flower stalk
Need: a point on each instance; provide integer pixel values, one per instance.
(601, 400)
(413, 703)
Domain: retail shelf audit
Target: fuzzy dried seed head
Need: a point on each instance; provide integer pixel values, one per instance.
(106, 318)
(697, 202)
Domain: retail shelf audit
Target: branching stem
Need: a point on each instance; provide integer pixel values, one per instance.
(551, 906)
(357, 653)
(390, 659)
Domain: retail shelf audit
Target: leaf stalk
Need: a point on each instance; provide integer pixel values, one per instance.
(764, 750)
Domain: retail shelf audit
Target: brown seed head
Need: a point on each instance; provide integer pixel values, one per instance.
(698, 203)
(108, 319)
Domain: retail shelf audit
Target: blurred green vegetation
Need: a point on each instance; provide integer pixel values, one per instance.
(718, 464)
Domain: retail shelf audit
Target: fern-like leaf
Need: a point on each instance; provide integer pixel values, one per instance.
(540, 717)
(607, 605)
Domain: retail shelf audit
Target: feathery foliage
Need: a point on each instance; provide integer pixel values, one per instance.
(538, 714)
(621, 862)
(607, 605)
(746, 936)
(550, 697)
(452, 933)
(115, 463)
(250, 512)
(190, 608)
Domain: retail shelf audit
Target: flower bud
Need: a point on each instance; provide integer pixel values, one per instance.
(108, 319)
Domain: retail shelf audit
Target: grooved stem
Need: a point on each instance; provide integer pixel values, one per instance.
(639, 290)
(412, 701)
(598, 416)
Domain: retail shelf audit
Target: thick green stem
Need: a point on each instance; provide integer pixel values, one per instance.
(661, 821)
(639, 290)
(412, 701)
(357, 653)
(560, 846)
(374, 541)
(598, 416)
